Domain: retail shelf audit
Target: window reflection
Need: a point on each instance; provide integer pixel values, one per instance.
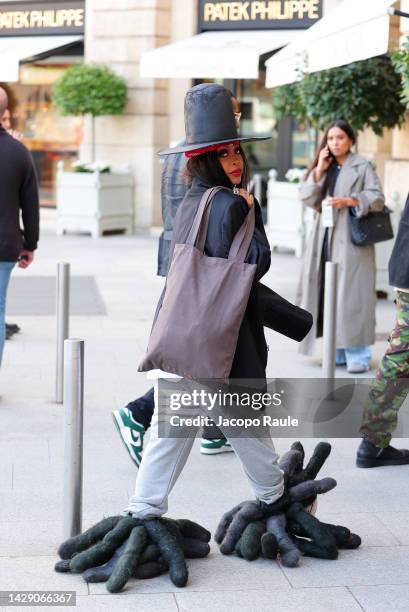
(258, 118)
(49, 136)
(304, 144)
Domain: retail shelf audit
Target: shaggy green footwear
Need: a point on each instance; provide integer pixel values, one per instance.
(131, 432)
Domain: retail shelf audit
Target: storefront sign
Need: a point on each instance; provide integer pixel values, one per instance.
(252, 15)
(21, 19)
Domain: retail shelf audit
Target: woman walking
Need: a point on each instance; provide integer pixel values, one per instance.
(216, 159)
(348, 184)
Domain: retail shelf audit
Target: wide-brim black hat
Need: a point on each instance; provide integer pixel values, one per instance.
(209, 119)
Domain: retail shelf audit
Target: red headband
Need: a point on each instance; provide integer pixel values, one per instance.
(209, 148)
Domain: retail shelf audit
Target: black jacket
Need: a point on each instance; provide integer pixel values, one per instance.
(399, 261)
(18, 191)
(278, 314)
(227, 214)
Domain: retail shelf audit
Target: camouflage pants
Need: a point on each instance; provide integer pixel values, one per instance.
(391, 385)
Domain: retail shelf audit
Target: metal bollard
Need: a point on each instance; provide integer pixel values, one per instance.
(63, 312)
(73, 435)
(330, 320)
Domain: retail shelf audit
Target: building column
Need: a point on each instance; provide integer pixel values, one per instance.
(397, 168)
(117, 33)
(184, 25)
(376, 148)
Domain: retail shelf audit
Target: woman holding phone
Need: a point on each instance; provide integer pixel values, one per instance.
(340, 183)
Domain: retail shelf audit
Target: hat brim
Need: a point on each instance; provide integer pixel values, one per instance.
(202, 145)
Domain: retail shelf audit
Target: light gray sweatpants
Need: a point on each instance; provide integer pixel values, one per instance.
(165, 458)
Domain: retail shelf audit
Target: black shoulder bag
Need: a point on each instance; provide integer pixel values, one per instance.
(374, 227)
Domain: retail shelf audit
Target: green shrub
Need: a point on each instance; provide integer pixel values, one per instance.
(400, 60)
(88, 89)
(367, 94)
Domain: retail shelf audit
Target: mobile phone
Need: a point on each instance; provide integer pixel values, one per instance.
(331, 155)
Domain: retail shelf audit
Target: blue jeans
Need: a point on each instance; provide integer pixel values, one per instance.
(355, 354)
(5, 271)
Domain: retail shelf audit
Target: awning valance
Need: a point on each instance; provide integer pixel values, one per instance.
(214, 55)
(353, 31)
(14, 49)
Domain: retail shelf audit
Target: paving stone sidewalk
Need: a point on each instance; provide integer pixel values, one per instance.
(374, 503)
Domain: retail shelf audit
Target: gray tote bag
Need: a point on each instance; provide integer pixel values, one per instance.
(196, 330)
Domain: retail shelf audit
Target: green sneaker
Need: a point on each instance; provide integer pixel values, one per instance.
(131, 433)
(215, 447)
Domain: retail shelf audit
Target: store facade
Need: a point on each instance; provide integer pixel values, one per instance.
(228, 36)
(357, 33)
(291, 143)
(229, 43)
(38, 41)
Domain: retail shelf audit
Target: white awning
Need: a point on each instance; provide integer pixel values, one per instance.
(15, 49)
(353, 31)
(214, 55)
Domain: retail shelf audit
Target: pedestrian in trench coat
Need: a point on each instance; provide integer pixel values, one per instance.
(356, 299)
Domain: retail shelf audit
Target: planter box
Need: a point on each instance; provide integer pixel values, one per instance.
(286, 217)
(94, 203)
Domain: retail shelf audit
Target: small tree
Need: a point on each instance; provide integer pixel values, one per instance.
(88, 89)
(400, 60)
(367, 94)
(287, 102)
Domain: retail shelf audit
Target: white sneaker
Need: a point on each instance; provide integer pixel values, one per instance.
(131, 433)
(358, 368)
(215, 447)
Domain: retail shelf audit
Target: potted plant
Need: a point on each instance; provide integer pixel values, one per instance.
(364, 93)
(93, 197)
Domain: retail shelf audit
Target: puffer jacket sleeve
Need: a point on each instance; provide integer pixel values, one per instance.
(227, 214)
(312, 191)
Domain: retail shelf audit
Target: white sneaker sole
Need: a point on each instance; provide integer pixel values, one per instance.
(358, 370)
(216, 451)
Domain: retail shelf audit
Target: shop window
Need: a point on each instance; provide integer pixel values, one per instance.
(258, 118)
(304, 144)
(49, 136)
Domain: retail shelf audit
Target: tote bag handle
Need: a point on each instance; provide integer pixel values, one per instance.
(198, 232)
(242, 239)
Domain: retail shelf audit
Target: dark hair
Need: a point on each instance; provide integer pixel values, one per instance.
(208, 168)
(342, 125)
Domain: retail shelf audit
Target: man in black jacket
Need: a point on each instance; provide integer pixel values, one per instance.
(19, 192)
(390, 387)
(5, 121)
